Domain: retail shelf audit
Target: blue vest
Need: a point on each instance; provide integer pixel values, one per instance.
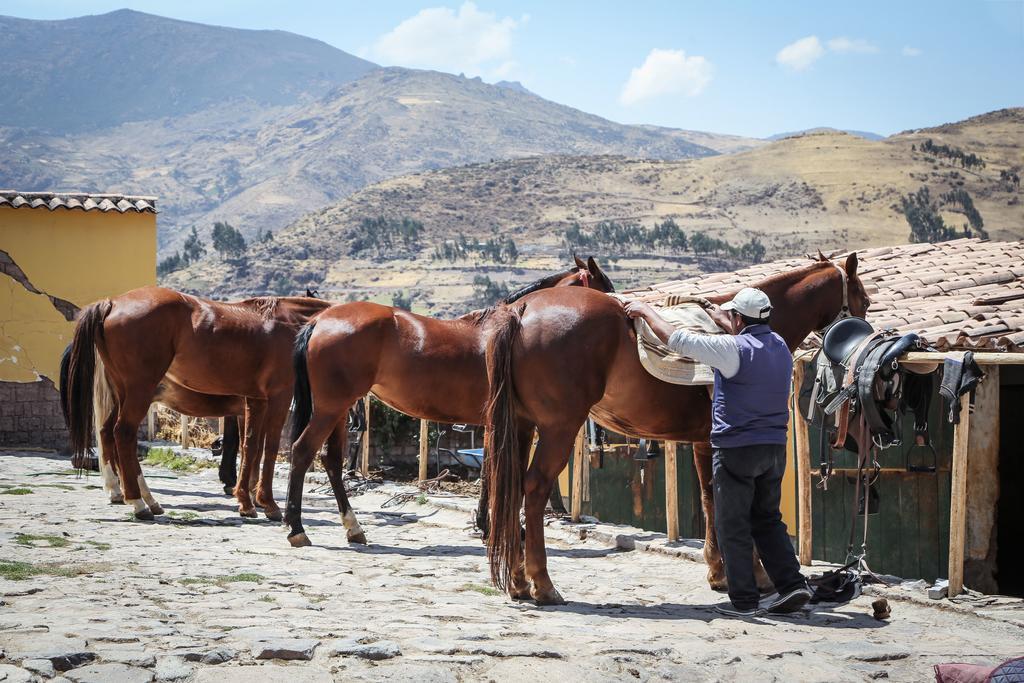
(752, 407)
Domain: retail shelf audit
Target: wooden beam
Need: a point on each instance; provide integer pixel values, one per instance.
(924, 357)
(364, 464)
(424, 448)
(183, 438)
(671, 492)
(579, 461)
(151, 422)
(805, 530)
(958, 499)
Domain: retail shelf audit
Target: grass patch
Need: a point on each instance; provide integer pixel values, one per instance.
(98, 545)
(16, 491)
(51, 540)
(266, 598)
(481, 589)
(176, 462)
(186, 516)
(63, 487)
(20, 571)
(221, 580)
(421, 499)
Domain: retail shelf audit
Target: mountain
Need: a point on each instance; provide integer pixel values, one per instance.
(388, 123)
(99, 71)
(859, 133)
(828, 190)
(512, 85)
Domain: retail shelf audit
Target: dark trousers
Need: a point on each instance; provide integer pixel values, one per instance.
(748, 490)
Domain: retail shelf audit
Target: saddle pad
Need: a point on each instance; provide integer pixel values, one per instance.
(662, 363)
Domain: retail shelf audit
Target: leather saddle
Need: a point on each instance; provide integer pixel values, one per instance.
(858, 374)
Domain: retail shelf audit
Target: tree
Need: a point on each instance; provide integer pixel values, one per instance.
(194, 249)
(926, 225)
(402, 300)
(170, 264)
(227, 240)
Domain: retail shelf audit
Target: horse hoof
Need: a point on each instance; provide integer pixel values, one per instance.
(359, 539)
(117, 500)
(229, 490)
(156, 509)
(518, 595)
(299, 540)
(552, 597)
(145, 515)
(250, 512)
(274, 515)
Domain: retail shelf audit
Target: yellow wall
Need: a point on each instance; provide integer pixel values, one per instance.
(73, 255)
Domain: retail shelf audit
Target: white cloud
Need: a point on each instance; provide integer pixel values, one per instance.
(859, 45)
(911, 51)
(800, 54)
(441, 38)
(666, 72)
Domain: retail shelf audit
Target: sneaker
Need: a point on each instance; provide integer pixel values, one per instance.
(730, 610)
(786, 603)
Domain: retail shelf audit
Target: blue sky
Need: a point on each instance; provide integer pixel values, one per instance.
(750, 68)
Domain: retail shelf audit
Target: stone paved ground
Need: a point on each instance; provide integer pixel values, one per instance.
(202, 595)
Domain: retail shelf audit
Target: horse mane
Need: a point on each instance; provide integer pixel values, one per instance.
(542, 283)
(265, 306)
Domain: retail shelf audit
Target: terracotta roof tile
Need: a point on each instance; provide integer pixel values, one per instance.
(81, 201)
(962, 294)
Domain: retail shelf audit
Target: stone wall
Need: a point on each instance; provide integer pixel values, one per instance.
(30, 415)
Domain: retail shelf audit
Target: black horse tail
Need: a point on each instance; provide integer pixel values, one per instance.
(303, 396)
(503, 469)
(78, 370)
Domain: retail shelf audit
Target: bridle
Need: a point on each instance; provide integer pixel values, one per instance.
(844, 312)
(585, 278)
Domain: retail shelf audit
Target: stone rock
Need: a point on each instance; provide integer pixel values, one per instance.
(110, 673)
(43, 667)
(497, 651)
(12, 674)
(129, 657)
(285, 648)
(877, 655)
(172, 668)
(939, 589)
(197, 654)
(353, 648)
(64, 658)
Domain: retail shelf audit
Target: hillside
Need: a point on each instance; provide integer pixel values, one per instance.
(99, 71)
(827, 190)
(391, 122)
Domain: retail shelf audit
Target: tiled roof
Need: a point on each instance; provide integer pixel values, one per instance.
(77, 200)
(958, 295)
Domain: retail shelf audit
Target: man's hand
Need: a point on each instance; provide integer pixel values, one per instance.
(638, 309)
(721, 318)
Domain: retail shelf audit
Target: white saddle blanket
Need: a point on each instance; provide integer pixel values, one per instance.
(667, 365)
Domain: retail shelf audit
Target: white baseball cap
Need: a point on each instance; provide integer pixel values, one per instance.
(753, 303)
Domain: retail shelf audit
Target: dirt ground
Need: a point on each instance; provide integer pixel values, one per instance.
(88, 594)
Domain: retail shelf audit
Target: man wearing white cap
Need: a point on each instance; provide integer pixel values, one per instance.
(750, 413)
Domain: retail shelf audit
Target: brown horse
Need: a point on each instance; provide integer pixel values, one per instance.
(201, 357)
(427, 368)
(556, 357)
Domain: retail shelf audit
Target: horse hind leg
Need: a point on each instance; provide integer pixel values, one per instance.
(333, 461)
(303, 451)
(550, 458)
(126, 431)
(712, 553)
(105, 415)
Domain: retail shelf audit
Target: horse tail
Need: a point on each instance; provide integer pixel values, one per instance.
(503, 469)
(303, 395)
(78, 375)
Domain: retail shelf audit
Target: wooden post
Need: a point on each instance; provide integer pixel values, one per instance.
(579, 461)
(671, 491)
(151, 422)
(220, 425)
(364, 465)
(958, 499)
(803, 472)
(424, 448)
(184, 431)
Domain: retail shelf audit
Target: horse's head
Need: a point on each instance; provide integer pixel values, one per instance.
(855, 300)
(587, 274)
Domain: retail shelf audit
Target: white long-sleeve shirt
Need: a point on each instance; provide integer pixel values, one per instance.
(717, 350)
